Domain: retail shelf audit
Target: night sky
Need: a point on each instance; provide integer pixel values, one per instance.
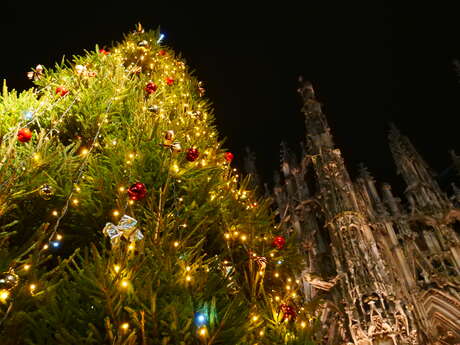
(370, 64)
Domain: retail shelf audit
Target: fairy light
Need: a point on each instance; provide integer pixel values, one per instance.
(26, 267)
(176, 244)
(4, 294)
(116, 268)
(277, 275)
(77, 188)
(75, 202)
(84, 151)
(45, 247)
(124, 326)
(255, 318)
(124, 284)
(188, 268)
(54, 213)
(58, 237)
(131, 202)
(32, 287)
(244, 238)
(202, 331)
(227, 235)
(116, 213)
(303, 324)
(36, 156)
(131, 246)
(261, 333)
(277, 298)
(188, 278)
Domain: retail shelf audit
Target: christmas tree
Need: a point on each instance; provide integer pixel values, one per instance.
(121, 218)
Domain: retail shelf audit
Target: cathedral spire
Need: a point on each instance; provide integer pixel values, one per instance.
(318, 131)
(422, 189)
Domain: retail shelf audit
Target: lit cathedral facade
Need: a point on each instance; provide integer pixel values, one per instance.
(388, 275)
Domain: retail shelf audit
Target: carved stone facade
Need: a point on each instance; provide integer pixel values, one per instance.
(387, 275)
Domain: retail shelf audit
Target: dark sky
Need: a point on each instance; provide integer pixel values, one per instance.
(371, 64)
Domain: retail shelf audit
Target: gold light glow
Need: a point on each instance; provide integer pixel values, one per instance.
(4, 295)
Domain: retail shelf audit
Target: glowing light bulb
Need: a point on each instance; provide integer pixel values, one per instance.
(32, 287)
(116, 268)
(116, 213)
(84, 151)
(176, 244)
(202, 331)
(4, 295)
(125, 326)
(54, 213)
(303, 324)
(59, 237)
(188, 268)
(227, 236)
(244, 238)
(26, 267)
(188, 278)
(124, 283)
(255, 318)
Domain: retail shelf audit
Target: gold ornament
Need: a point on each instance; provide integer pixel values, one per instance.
(169, 137)
(8, 280)
(46, 191)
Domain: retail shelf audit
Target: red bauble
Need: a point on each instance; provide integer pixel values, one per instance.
(229, 156)
(289, 312)
(103, 51)
(192, 154)
(61, 91)
(137, 191)
(162, 52)
(169, 81)
(279, 242)
(24, 135)
(151, 88)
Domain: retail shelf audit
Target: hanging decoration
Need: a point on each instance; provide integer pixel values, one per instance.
(137, 191)
(46, 192)
(126, 228)
(24, 135)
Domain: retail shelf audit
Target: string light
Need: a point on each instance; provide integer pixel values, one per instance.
(54, 213)
(4, 294)
(176, 244)
(116, 268)
(26, 267)
(188, 278)
(303, 324)
(32, 287)
(116, 213)
(125, 326)
(124, 283)
(202, 331)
